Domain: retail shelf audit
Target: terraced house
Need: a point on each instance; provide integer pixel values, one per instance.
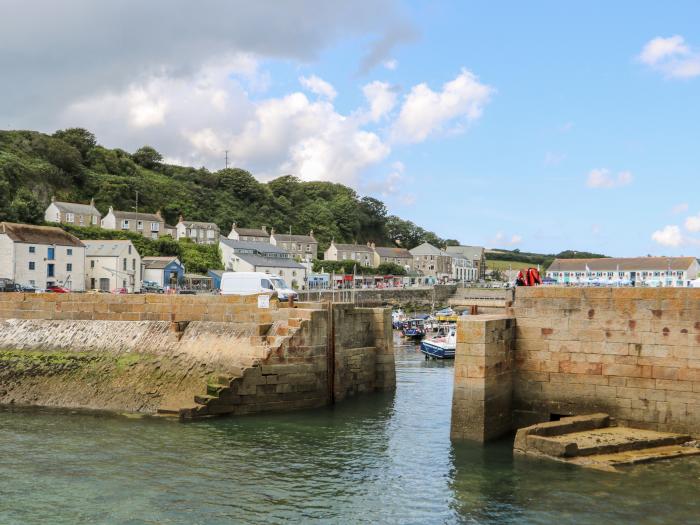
(430, 261)
(249, 234)
(199, 232)
(150, 225)
(247, 256)
(301, 247)
(112, 264)
(639, 271)
(41, 256)
(363, 254)
(73, 213)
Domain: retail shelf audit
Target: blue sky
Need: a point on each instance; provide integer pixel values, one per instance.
(542, 126)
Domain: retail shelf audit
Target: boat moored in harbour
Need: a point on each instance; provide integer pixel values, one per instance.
(442, 346)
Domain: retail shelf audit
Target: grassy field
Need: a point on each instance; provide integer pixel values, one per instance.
(505, 265)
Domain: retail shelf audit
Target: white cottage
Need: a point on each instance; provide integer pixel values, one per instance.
(112, 264)
(41, 256)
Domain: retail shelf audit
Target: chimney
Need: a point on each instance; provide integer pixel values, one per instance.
(158, 214)
(373, 245)
(272, 232)
(53, 198)
(311, 233)
(92, 201)
(181, 219)
(264, 228)
(111, 209)
(369, 245)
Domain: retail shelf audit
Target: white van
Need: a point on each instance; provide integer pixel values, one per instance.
(250, 283)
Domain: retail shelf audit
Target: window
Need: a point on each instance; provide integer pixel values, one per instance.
(123, 283)
(210, 234)
(32, 265)
(49, 270)
(125, 224)
(155, 227)
(82, 220)
(154, 236)
(69, 267)
(70, 217)
(51, 255)
(94, 220)
(32, 249)
(92, 265)
(69, 251)
(139, 225)
(133, 264)
(124, 264)
(265, 284)
(130, 249)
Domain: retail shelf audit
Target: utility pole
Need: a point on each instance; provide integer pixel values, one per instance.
(137, 211)
(226, 157)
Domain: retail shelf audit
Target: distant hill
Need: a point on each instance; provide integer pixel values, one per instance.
(524, 259)
(72, 166)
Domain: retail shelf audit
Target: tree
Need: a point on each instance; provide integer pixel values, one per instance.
(25, 207)
(147, 157)
(80, 138)
(390, 268)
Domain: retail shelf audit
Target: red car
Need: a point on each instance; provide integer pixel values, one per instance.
(57, 289)
(120, 291)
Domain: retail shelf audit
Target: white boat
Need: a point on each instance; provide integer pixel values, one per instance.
(440, 347)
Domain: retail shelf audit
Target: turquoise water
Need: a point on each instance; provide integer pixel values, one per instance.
(376, 458)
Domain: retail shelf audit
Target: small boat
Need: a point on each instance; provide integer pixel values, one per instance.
(447, 315)
(440, 347)
(413, 329)
(397, 319)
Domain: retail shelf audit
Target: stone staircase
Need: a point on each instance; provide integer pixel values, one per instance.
(595, 441)
(224, 391)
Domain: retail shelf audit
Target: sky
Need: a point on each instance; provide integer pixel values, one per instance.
(542, 126)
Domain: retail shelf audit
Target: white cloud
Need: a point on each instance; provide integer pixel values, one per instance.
(502, 240)
(391, 65)
(553, 159)
(318, 86)
(680, 208)
(671, 56)
(604, 178)
(392, 186)
(566, 127)
(668, 236)
(425, 112)
(692, 223)
(381, 97)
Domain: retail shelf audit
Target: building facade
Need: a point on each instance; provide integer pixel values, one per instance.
(463, 269)
(150, 225)
(431, 261)
(636, 271)
(475, 254)
(246, 256)
(249, 234)
(399, 256)
(41, 256)
(73, 213)
(112, 264)
(363, 254)
(198, 232)
(301, 247)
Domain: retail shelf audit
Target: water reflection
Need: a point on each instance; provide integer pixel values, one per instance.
(375, 458)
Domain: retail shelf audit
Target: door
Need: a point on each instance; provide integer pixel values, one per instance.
(633, 277)
(104, 284)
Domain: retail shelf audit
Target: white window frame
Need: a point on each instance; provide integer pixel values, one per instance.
(70, 217)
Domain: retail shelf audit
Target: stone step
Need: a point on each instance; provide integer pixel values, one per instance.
(168, 410)
(633, 457)
(204, 399)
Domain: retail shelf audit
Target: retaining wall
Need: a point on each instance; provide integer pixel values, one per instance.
(631, 352)
(192, 356)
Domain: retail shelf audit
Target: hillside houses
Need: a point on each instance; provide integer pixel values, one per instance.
(249, 256)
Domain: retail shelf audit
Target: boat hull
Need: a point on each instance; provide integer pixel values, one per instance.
(437, 351)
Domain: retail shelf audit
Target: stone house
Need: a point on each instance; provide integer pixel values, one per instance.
(199, 232)
(431, 261)
(463, 269)
(301, 247)
(400, 256)
(363, 254)
(249, 234)
(246, 256)
(73, 213)
(111, 264)
(150, 225)
(41, 256)
(475, 254)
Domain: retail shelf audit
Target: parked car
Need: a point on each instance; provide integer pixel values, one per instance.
(151, 287)
(119, 291)
(57, 289)
(8, 285)
(28, 288)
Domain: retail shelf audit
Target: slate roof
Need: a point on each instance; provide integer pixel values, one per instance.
(30, 234)
(251, 232)
(262, 247)
(470, 252)
(427, 249)
(611, 264)
(200, 225)
(353, 247)
(157, 263)
(274, 262)
(393, 252)
(279, 237)
(76, 208)
(105, 248)
(133, 216)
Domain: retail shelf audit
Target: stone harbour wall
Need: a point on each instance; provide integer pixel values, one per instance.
(190, 356)
(631, 352)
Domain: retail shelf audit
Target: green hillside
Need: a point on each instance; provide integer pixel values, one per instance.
(72, 166)
(500, 259)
